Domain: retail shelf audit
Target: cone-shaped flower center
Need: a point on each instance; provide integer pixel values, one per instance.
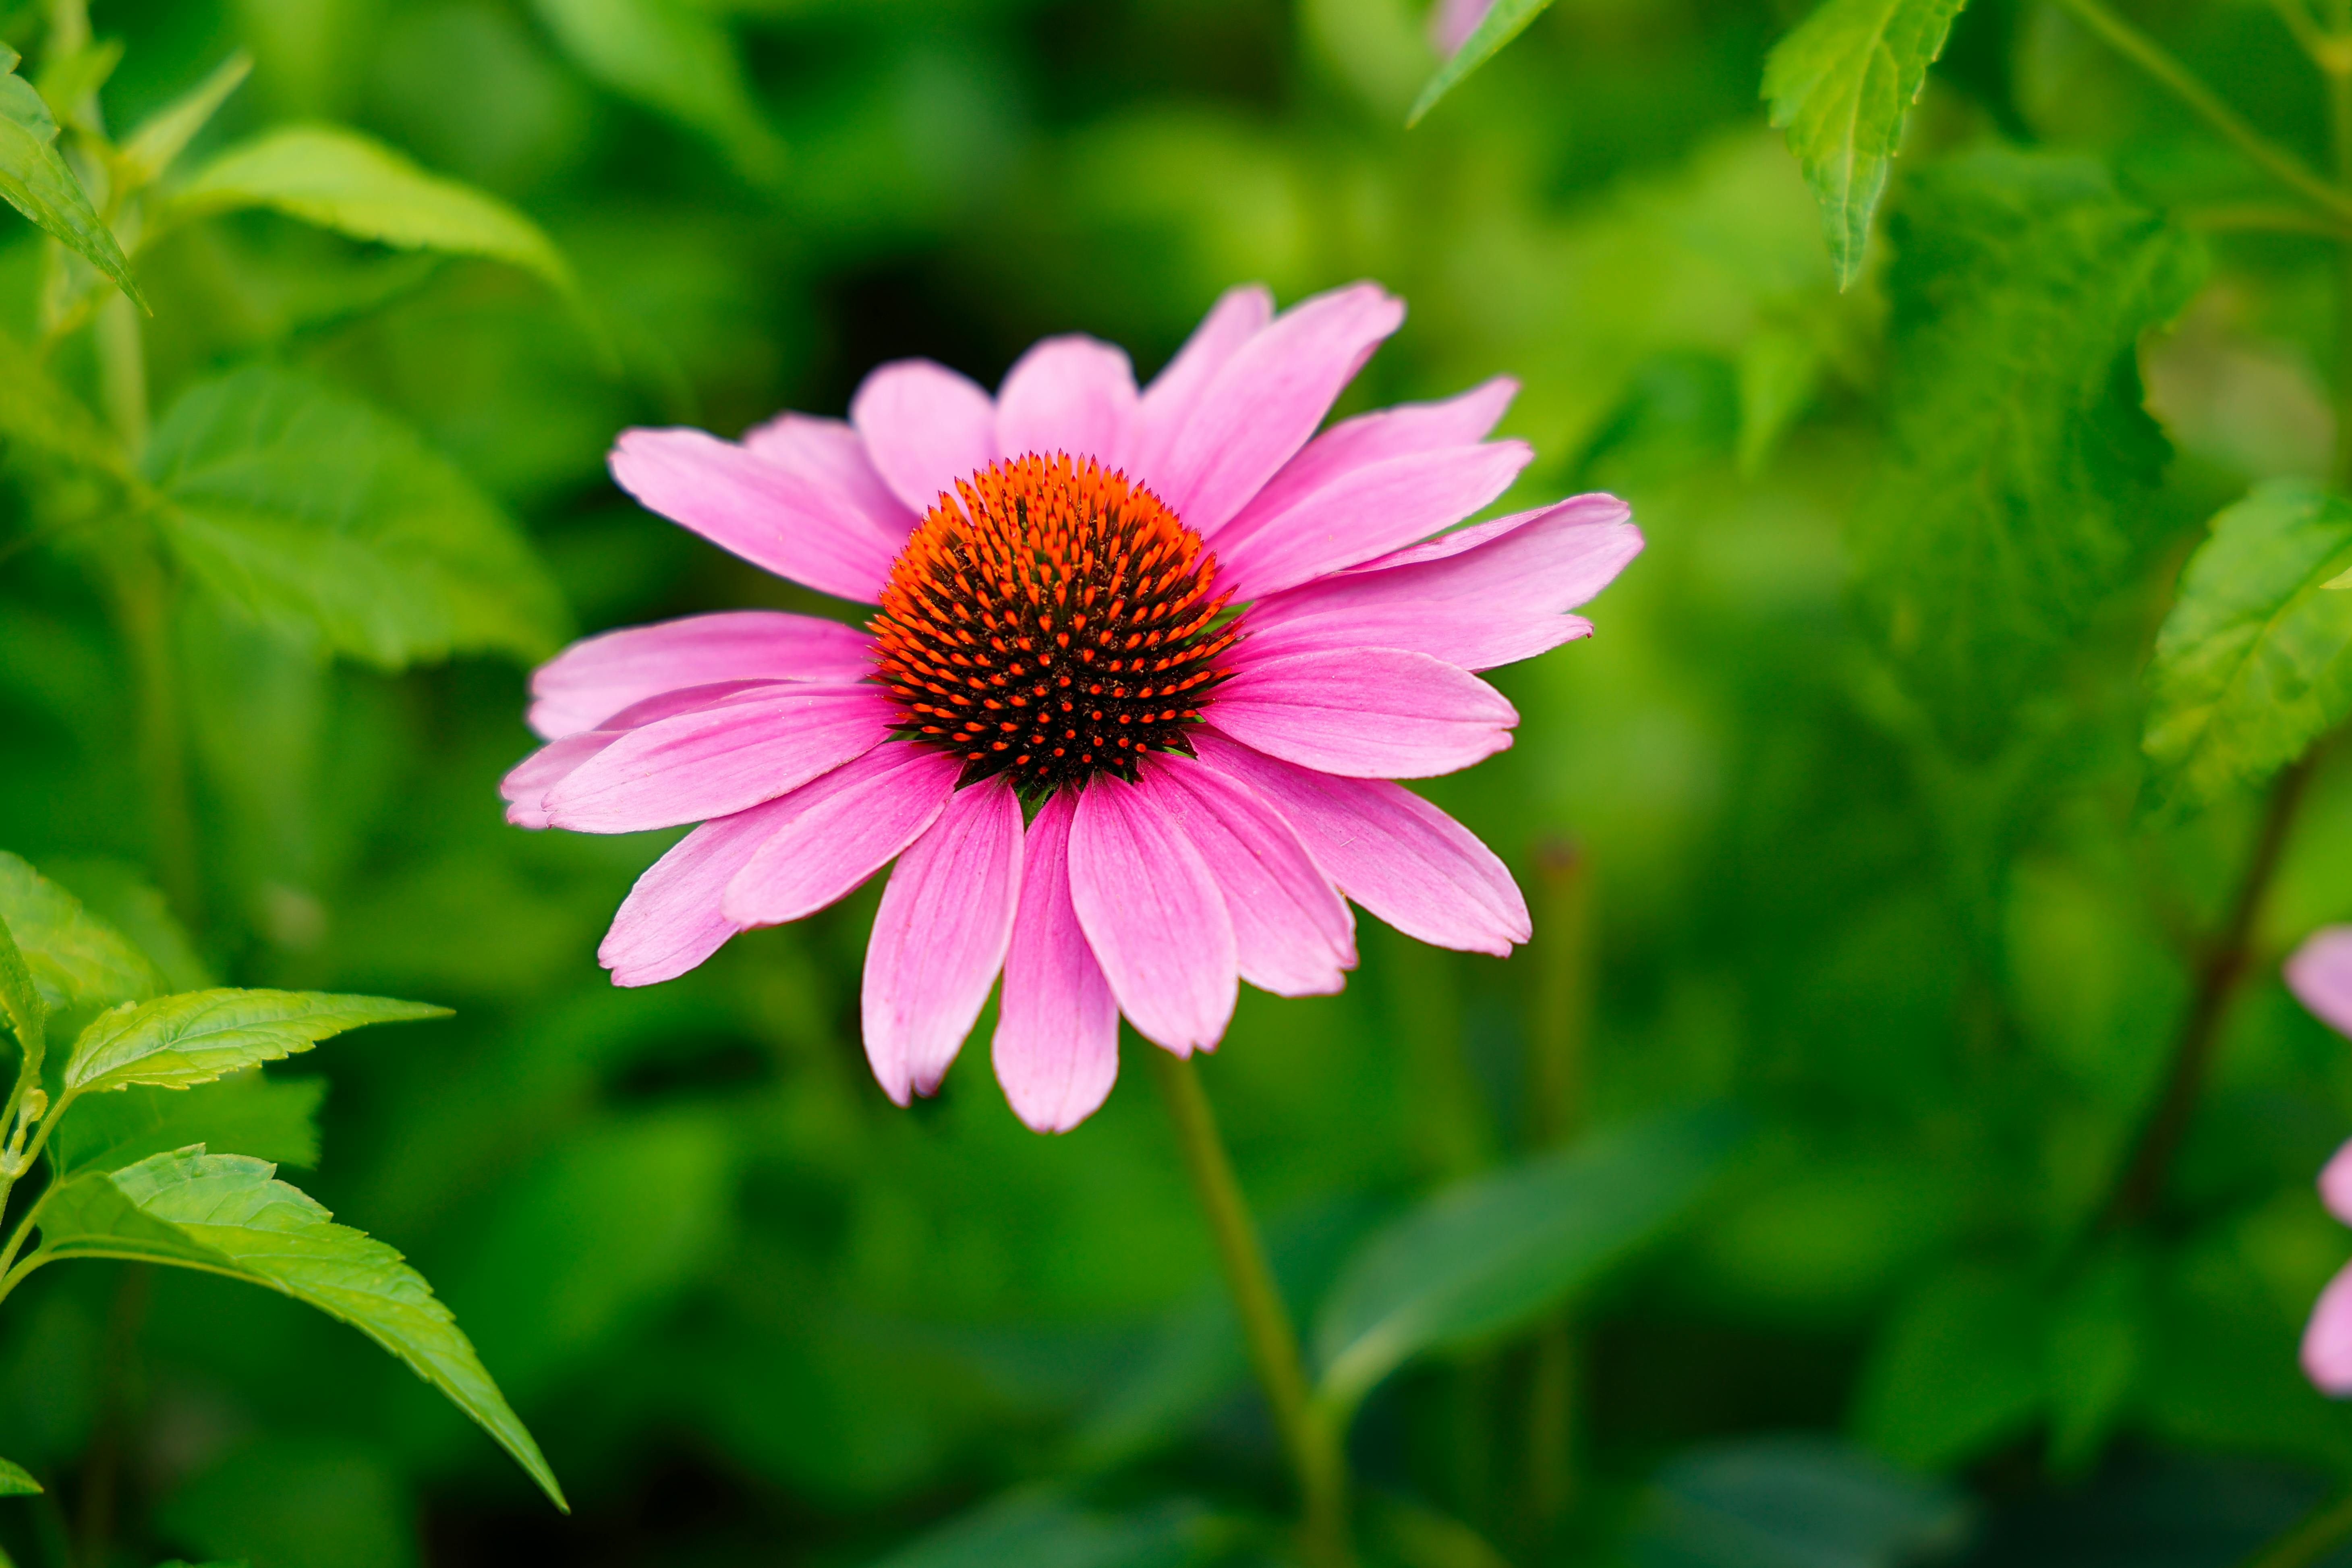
(1049, 622)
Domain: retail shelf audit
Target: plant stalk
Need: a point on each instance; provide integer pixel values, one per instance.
(1309, 1437)
(1558, 1038)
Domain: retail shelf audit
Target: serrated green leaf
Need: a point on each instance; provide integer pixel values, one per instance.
(36, 181)
(2017, 490)
(1840, 86)
(27, 1015)
(354, 185)
(16, 1482)
(166, 134)
(678, 61)
(1495, 1253)
(75, 958)
(1504, 20)
(248, 1113)
(175, 1042)
(2252, 663)
(229, 1214)
(332, 522)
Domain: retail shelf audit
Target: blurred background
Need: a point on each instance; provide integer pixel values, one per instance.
(757, 1315)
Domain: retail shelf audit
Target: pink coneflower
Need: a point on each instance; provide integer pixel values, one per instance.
(1142, 668)
(2320, 974)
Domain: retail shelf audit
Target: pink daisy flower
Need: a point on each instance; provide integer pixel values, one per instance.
(2320, 974)
(1142, 668)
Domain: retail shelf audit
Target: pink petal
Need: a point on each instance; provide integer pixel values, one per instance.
(1406, 428)
(925, 427)
(1152, 913)
(590, 681)
(838, 829)
(1459, 634)
(939, 938)
(1581, 544)
(2327, 1339)
(720, 760)
(525, 787)
(2320, 974)
(1364, 712)
(770, 516)
(1056, 1046)
(1451, 22)
(829, 452)
(2336, 1184)
(671, 920)
(1266, 400)
(1071, 394)
(1174, 395)
(1391, 851)
(1363, 512)
(1292, 931)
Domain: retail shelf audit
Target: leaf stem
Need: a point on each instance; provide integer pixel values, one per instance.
(1310, 1437)
(2186, 85)
(2307, 1541)
(2142, 1183)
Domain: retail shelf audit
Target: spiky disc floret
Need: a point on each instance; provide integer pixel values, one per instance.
(1051, 621)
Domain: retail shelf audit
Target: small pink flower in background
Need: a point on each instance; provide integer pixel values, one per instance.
(1451, 21)
(1194, 638)
(2320, 974)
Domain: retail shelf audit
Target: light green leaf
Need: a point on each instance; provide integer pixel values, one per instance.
(75, 958)
(227, 1214)
(340, 180)
(1504, 20)
(248, 1113)
(166, 134)
(37, 414)
(175, 1042)
(330, 521)
(1840, 86)
(2017, 492)
(34, 180)
(27, 1015)
(1779, 369)
(16, 1482)
(2255, 662)
(1496, 1253)
(68, 81)
(675, 58)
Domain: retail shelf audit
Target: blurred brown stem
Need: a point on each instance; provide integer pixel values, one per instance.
(1560, 1029)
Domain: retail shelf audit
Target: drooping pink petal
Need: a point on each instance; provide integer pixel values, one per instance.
(2320, 976)
(1056, 1046)
(594, 678)
(525, 786)
(1260, 407)
(1152, 913)
(2328, 1338)
(672, 920)
(939, 938)
(1451, 21)
(1364, 712)
(1391, 851)
(925, 426)
(770, 516)
(1073, 394)
(839, 829)
(1292, 931)
(829, 452)
(1170, 402)
(1463, 420)
(715, 761)
(2336, 1184)
(1365, 512)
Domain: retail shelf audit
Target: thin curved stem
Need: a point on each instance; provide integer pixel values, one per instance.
(1309, 1435)
(2320, 1532)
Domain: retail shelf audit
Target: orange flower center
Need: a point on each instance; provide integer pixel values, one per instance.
(1051, 621)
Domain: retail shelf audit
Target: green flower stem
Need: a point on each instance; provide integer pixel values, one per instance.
(2320, 1532)
(1310, 1437)
(2184, 84)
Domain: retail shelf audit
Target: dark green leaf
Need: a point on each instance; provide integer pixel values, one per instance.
(2098, 1333)
(269, 1119)
(166, 133)
(121, 896)
(1504, 20)
(1795, 1501)
(1497, 1253)
(1959, 1369)
(75, 958)
(1048, 1531)
(1840, 86)
(194, 1037)
(16, 1482)
(34, 180)
(2017, 492)
(2251, 666)
(328, 520)
(677, 60)
(227, 1214)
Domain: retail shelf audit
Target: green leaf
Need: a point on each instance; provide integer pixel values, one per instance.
(249, 1113)
(1840, 86)
(75, 958)
(2097, 1340)
(34, 180)
(2018, 489)
(1788, 1499)
(1504, 20)
(1042, 1530)
(166, 133)
(2252, 665)
(16, 1482)
(330, 521)
(1495, 1254)
(354, 185)
(1959, 1369)
(27, 1015)
(37, 414)
(678, 61)
(121, 896)
(175, 1042)
(227, 1214)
